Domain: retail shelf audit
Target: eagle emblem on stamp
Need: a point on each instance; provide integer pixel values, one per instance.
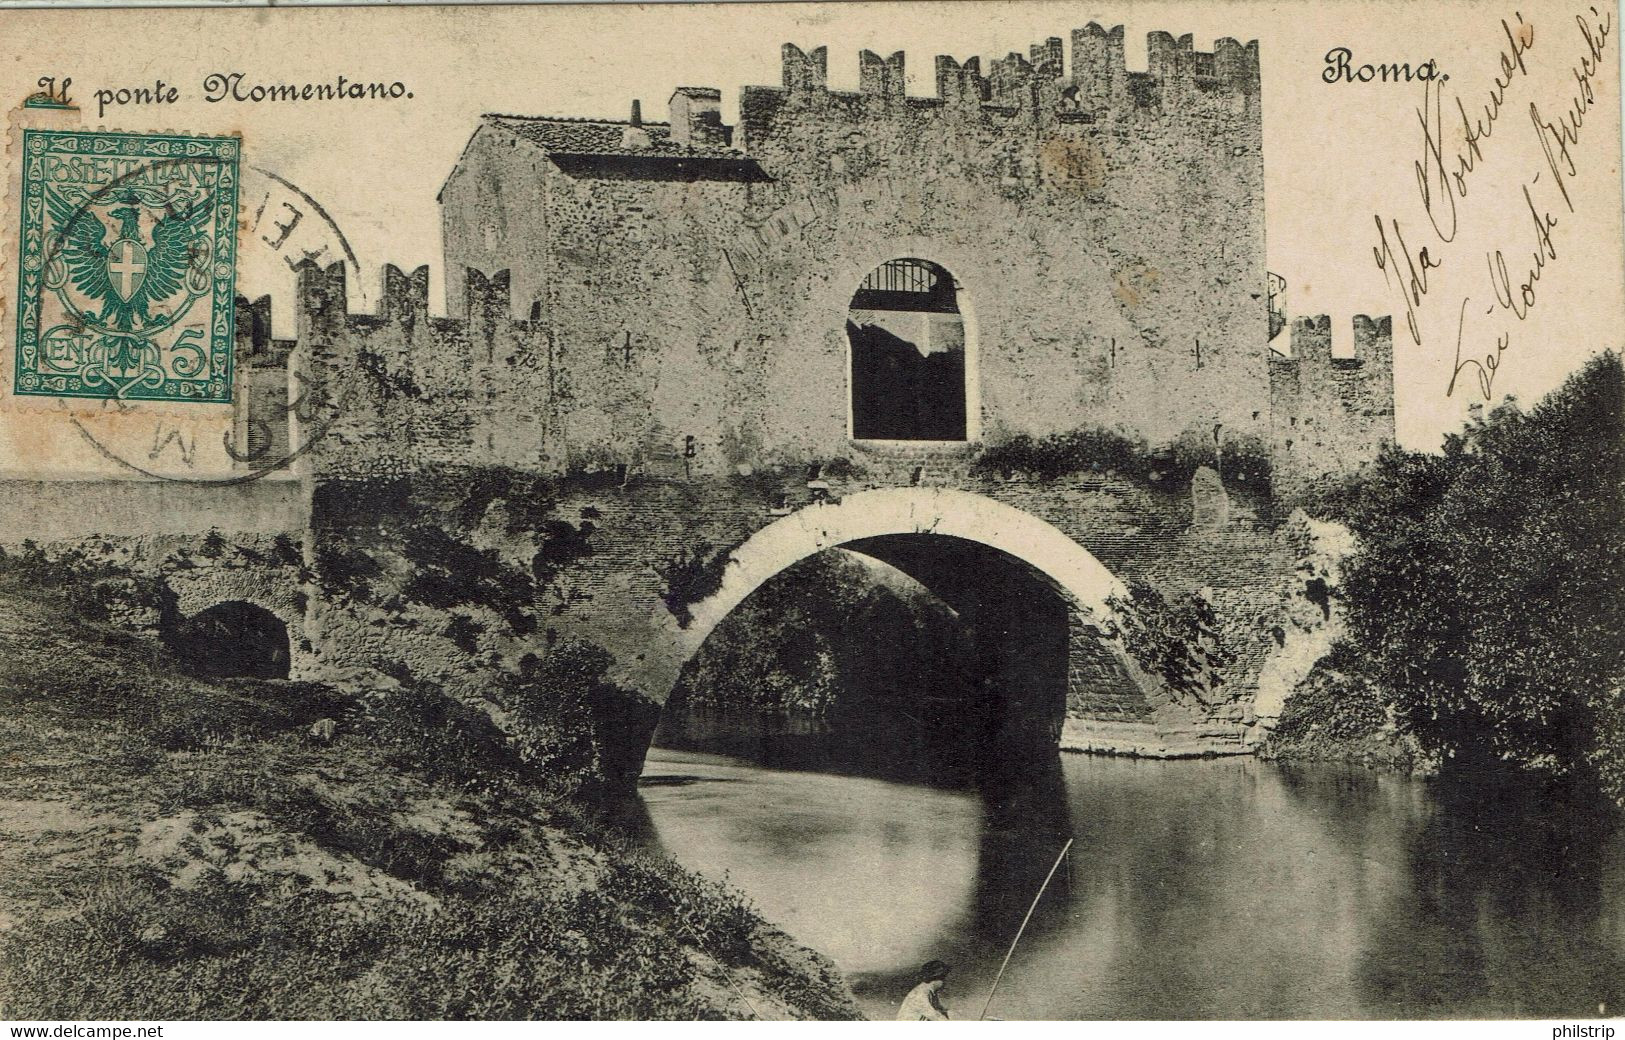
(127, 279)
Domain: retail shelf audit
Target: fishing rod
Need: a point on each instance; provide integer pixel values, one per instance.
(1012, 951)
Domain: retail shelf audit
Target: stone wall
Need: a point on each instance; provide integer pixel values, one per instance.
(261, 403)
(1106, 229)
(196, 572)
(1330, 415)
(48, 511)
(614, 594)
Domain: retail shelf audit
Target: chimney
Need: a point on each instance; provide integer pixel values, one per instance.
(696, 118)
(635, 138)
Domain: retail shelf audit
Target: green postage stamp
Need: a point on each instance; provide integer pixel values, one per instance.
(127, 277)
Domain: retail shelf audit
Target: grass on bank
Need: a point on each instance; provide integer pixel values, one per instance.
(175, 848)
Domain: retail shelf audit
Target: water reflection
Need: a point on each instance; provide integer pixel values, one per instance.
(1510, 907)
(1218, 889)
(873, 890)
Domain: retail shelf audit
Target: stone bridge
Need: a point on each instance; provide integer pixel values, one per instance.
(1044, 608)
(1040, 567)
(1013, 339)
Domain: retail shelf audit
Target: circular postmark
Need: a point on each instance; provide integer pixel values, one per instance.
(285, 227)
(279, 415)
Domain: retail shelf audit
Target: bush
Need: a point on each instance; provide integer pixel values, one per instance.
(1060, 454)
(1487, 593)
(1334, 705)
(367, 832)
(713, 917)
(575, 729)
(419, 728)
(1245, 460)
(1179, 642)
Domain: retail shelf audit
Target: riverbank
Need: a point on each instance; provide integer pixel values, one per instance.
(1334, 715)
(175, 848)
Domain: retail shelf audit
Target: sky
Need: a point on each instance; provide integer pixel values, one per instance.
(1337, 156)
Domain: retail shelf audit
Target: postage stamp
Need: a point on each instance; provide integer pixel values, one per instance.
(127, 270)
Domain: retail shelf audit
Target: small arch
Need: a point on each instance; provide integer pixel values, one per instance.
(233, 639)
(911, 356)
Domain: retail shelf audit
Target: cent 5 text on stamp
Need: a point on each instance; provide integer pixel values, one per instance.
(128, 261)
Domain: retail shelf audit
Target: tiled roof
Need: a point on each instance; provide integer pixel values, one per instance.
(560, 136)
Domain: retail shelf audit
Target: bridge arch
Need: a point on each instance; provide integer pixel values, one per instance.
(261, 605)
(883, 512)
(233, 638)
(275, 591)
(1046, 620)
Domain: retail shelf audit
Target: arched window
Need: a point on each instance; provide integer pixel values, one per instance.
(908, 343)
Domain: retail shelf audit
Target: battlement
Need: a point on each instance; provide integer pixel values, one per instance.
(1329, 415)
(403, 298)
(1312, 344)
(403, 388)
(1177, 76)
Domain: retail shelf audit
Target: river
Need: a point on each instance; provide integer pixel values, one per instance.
(1215, 889)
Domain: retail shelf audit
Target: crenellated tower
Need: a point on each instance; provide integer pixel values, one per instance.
(1331, 415)
(1103, 228)
(1036, 87)
(396, 390)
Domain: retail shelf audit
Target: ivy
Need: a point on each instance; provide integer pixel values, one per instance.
(1243, 460)
(1178, 642)
(690, 576)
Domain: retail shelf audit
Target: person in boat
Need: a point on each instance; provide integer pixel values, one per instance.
(924, 1001)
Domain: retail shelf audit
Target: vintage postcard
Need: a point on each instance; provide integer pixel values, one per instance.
(990, 511)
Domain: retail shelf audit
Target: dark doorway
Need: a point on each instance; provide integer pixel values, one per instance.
(233, 639)
(907, 336)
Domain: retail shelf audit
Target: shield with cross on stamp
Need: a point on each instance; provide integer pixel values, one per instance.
(128, 266)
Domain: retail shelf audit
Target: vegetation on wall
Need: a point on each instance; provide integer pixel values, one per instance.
(1179, 641)
(688, 576)
(484, 551)
(1488, 596)
(1242, 461)
(383, 384)
(446, 571)
(392, 542)
(94, 589)
(571, 725)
